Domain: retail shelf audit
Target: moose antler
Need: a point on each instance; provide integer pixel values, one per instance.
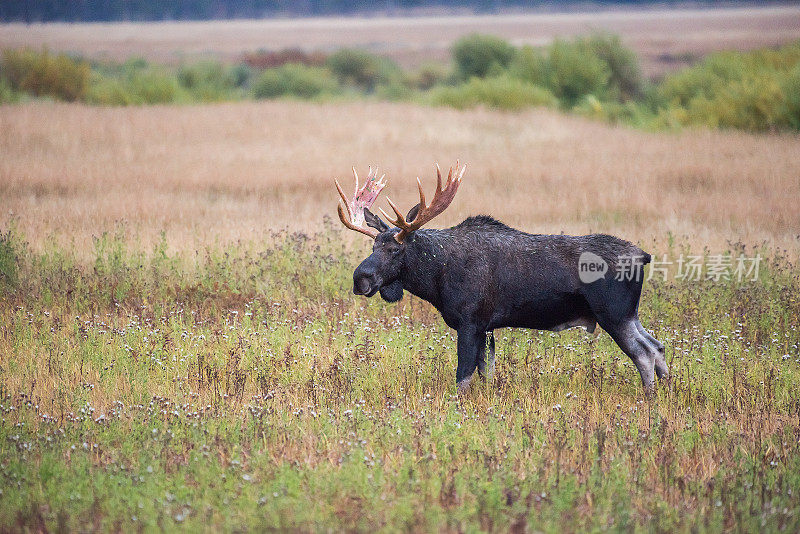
(441, 199)
(363, 199)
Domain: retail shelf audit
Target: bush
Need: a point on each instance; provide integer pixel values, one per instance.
(625, 77)
(394, 91)
(154, 86)
(265, 59)
(575, 71)
(208, 81)
(45, 74)
(703, 80)
(294, 79)
(429, 75)
(500, 92)
(108, 91)
(7, 94)
(531, 66)
(754, 103)
(10, 248)
(791, 89)
(362, 69)
(241, 75)
(632, 113)
(135, 83)
(754, 91)
(481, 55)
(599, 66)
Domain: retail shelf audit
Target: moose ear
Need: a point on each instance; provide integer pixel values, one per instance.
(412, 213)
(392, 292)
(374, 221)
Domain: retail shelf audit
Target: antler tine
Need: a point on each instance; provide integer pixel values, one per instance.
(441, 200)
(397, 221)
(422, 204)
(344, 197)
(371, 233)
(401, 221)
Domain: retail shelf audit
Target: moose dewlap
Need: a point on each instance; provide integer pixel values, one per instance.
(482, 275)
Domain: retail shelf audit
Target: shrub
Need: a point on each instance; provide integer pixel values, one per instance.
(7, 94)
(135, 82)
(394, 91)
(702, 80)
(754, 103)
(45, 74)
(207, 81)
(572, 70)
(791, 89)
(154, 86)
(632, 113)
(480, 55)
(10, 248)
(625, 76)
(500, 92)
(429, 75)
(108, 91)
(531, 66)
(241, 75)
(294, 80)
(754, 91)
(362, 69)
(575, 71)
(265, 59)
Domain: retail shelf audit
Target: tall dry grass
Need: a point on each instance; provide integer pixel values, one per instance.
(234, 171)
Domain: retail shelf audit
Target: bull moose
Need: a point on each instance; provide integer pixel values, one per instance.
(482, 275)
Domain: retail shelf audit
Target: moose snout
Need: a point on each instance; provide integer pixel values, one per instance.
(365, 283)
(361, 286)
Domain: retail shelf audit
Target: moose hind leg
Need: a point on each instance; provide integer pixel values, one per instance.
(486, 358)
(638, 349)
(471, 344)
(662, 371)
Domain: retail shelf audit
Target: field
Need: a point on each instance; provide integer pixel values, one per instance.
(664, 39)
(235, 171)
(180, 347)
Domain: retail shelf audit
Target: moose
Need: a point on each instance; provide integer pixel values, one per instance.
(482, 275)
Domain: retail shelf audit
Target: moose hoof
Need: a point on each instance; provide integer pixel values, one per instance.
(462, 386)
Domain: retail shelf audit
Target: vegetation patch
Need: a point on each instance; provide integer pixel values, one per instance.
(245, 387)
(596, 76)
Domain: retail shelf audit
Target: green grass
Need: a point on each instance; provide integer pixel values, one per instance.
(245, 387)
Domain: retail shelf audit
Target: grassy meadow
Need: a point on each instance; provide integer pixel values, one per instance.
(180, 348)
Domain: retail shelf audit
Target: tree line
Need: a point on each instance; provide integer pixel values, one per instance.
(33, 11)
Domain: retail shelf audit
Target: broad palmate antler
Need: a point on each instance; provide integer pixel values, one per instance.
(441, 199)
(363, 199)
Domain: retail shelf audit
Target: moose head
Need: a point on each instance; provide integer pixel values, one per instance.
(382, 270)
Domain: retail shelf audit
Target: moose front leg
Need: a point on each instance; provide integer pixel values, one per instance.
(471, 344)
